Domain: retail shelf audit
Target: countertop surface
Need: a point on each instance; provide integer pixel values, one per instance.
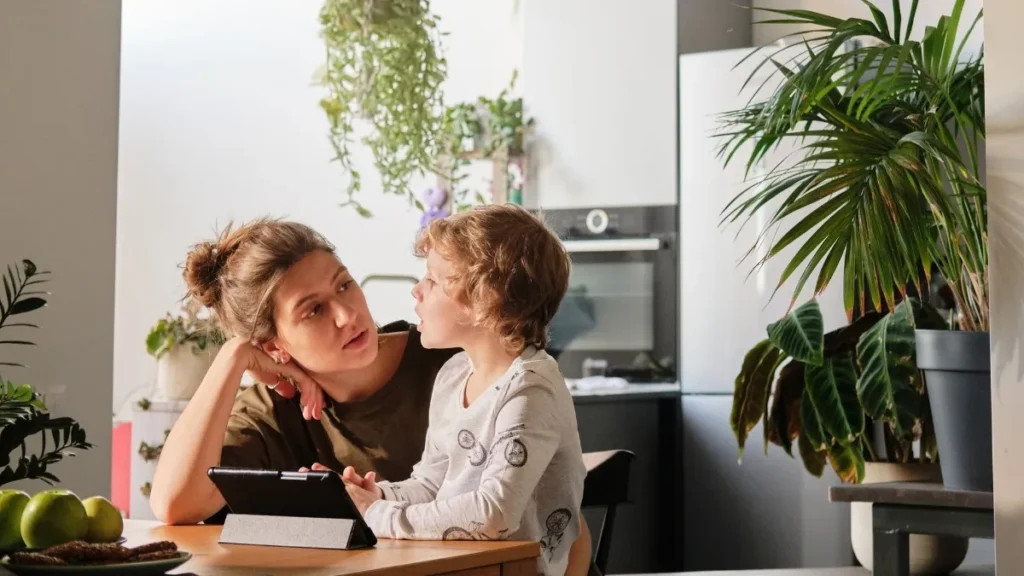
(632, 391)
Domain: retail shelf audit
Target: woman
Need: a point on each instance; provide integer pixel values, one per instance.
(296, 315)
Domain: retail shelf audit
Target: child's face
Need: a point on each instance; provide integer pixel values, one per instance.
(444, 323)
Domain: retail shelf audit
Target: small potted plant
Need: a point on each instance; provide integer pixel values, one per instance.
(184, 347)
(491, 129)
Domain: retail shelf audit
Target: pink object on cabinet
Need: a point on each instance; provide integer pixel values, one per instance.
(121, 466)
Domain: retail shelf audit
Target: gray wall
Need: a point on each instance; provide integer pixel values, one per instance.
(766, 513)
(1004, 108)
(58, 183)
(706, 25)
(928, 12)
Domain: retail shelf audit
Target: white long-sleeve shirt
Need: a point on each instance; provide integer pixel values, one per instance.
(509, 466)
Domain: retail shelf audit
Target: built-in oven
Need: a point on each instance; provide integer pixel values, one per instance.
(620, 315)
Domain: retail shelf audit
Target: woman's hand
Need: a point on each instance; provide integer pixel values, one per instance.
(282, 378)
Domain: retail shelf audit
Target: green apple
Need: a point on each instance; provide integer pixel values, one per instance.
(12, 505)
(53, 517)
(105, 522)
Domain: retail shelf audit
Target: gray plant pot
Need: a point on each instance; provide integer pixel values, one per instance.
(956, 368)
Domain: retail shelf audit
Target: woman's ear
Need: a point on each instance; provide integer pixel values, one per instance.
(276, 353)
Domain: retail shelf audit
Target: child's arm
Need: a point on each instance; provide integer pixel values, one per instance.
(528, 434)
(425, 480)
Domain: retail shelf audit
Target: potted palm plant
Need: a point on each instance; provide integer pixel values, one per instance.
(885, 187)
(23, 413)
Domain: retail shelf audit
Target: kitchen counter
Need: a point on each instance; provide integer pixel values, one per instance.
(646, 420)
(633, 391)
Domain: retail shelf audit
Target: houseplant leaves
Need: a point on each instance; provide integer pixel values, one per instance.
(801, 334)
(753, 385)
(832, 389)
(889, 389)
(385, 68)
(23, 415)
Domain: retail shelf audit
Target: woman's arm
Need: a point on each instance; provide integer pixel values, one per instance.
(182, 492)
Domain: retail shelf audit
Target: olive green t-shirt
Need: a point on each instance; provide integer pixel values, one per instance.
(384, 433)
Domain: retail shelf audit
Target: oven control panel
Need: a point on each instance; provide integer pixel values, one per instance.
(628, 221)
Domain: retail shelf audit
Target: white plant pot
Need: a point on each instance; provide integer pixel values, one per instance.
(180, 371)
(929, 555)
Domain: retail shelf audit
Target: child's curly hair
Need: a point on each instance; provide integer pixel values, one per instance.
(509, 267)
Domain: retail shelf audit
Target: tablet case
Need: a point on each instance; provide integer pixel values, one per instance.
(296, 509)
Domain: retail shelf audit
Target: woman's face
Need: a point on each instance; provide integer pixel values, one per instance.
(321, 317)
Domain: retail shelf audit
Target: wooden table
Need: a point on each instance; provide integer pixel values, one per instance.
(903, 508)
(389, 556)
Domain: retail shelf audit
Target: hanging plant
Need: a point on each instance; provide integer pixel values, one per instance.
(384, 66)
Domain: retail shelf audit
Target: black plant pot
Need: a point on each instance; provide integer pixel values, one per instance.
(956, 368)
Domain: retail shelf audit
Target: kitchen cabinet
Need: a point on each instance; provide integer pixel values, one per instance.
(648, 529)
(599, 78)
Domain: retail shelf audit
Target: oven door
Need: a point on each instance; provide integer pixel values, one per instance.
(607, 322)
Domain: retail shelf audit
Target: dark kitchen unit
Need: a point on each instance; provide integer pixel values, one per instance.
(616, 335)
(648, 422)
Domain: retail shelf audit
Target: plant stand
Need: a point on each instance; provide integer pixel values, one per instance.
(508, 176)
(900, 509)
(149, 427)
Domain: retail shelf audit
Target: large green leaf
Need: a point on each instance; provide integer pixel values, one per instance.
(889, 387)
(801, 333)
(810, 424)
(753, 385)
(783, 423)
(814, 460)
(846, 338)
(832, 389)
(848, 462)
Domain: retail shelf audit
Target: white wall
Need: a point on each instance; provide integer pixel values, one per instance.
(1004, 108)
(219, 122)
(58, 155)
(928, 13)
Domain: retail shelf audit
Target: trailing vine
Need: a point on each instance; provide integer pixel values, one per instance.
(384, 65)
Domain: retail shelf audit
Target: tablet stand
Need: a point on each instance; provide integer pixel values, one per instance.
(293, 531)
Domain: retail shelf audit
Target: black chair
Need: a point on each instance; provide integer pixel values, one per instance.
(606, 486)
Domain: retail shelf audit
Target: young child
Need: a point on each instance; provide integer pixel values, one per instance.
(502, 458)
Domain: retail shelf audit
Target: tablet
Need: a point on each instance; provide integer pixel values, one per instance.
(314, 494)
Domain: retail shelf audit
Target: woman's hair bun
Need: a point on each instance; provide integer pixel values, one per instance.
(202, 273)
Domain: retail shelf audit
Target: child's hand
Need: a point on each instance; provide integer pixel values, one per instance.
(317, 467)
(368, 482)
(360, 497)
